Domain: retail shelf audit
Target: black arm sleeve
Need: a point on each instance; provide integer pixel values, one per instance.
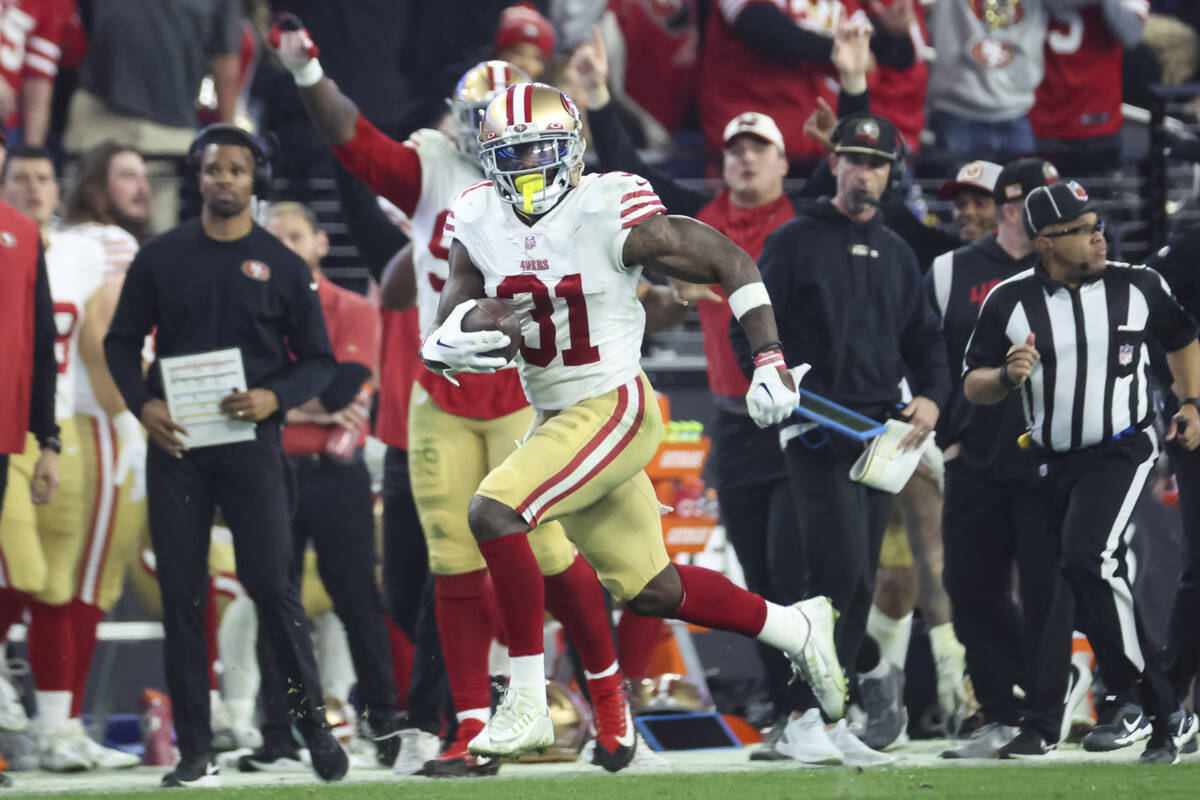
(308, 340)
(891, 50)
(348, 379)
(376, 238)
(45, 367)
(921, 343)
(616, 151)
(772, 33)
(136, 314)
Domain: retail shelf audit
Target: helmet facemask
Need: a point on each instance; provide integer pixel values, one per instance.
(533, 171)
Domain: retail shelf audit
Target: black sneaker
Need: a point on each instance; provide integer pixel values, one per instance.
(329, 760)
(1160, 750)
(385, 733)
(1183, 726)
(1121, 727)
(194, 770)
(1026, 744)
(272, 758)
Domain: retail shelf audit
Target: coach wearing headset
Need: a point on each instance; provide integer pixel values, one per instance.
(847, 294)
(212, 283)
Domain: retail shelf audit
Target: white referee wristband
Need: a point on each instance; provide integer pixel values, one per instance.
(309, 74)
(752, 295)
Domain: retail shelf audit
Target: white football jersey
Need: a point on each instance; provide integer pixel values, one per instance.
(581, 321)
(75, 266)
(119, 245)
(445, 172)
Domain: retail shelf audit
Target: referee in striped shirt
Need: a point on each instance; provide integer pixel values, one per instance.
(1071, 334)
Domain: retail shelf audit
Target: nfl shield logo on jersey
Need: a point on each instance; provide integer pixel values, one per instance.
(530, 242)
(1125, 355)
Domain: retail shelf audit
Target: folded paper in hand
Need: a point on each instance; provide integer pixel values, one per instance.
(883, 465)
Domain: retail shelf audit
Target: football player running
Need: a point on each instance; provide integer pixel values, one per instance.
(566, 250)
(461, 429)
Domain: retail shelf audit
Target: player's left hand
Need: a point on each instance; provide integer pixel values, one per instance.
(45, 478)
(131, 454)
(254, 405)
(772, 397)
(922, 414)
(1185, 426)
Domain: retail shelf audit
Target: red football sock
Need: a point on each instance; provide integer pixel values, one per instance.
(712, 600)
(51, 647)
(12, 608)
(520, 591)
(637, 637)
(575, 599)
(402, 661)
(211, 621)
(84, 620)
(466, 620)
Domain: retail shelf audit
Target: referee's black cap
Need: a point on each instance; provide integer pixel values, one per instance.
(1059, 202)
(1020, 177)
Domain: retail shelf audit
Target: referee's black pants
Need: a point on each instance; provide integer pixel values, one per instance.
(334, 511)
(250, 483)
(842, 523)
(1091, 494)
(987, 526)
(409, 589)
(1183, 647)
(755, 499)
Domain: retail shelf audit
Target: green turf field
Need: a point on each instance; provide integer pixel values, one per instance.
(1018, 781)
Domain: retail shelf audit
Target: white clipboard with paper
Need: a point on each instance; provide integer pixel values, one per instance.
(195, 385)
(883, 465)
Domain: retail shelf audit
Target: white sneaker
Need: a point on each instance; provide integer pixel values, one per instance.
(816, 661)
(60, 751)
(520, 724)
(416, 747)
(12, 711)
(806, 740)
(102, 757)
(856, 753)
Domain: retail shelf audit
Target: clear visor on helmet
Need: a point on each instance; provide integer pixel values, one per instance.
(525, 156)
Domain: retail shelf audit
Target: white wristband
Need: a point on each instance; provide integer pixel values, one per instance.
(752, 295)
(309, 74)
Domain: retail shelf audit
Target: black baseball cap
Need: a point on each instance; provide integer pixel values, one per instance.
(1020, 177)
(1059, 202)
(869, 134)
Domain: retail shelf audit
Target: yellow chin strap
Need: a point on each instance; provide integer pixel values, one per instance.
(528, 186)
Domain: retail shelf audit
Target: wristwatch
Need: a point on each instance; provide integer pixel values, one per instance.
(1193, 401)
(52, 442)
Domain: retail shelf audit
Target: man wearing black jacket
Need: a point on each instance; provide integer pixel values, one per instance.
(220, 282)
(994, 516)
(849, 298)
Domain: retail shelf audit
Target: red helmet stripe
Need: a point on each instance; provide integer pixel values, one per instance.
(508, 104)
(528, 103)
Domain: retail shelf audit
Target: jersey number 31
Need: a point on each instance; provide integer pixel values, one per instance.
(568, 289)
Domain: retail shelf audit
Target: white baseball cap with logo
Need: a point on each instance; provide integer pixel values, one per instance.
(757, 124)
(978, 176)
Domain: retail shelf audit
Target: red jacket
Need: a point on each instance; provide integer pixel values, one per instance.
(19, 244)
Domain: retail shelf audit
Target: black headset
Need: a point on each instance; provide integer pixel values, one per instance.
(262, 150)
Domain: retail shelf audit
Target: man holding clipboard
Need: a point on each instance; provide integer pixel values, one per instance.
(228, 302)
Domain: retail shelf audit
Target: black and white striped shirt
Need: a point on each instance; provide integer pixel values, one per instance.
(1090, 384)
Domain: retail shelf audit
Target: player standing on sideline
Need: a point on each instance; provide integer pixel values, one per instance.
(215, 282)
(567, 251)
(470, 423)
(73, 558)
(110, 201)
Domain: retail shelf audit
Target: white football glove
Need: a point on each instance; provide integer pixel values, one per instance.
(131, 454)
(950, 662)
(769, 401)
(296, 49)
(460, 351)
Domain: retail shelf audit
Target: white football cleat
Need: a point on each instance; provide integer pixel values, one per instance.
(416, 748)
(102, 757)
(816, 660)
(856, 753)
(59, 751)
(12, 711)
(806, 740)
(521, 724)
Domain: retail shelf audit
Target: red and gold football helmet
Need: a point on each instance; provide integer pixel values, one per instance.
(475, 90)
(531, 142)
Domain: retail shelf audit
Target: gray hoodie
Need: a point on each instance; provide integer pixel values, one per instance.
(983, 73)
